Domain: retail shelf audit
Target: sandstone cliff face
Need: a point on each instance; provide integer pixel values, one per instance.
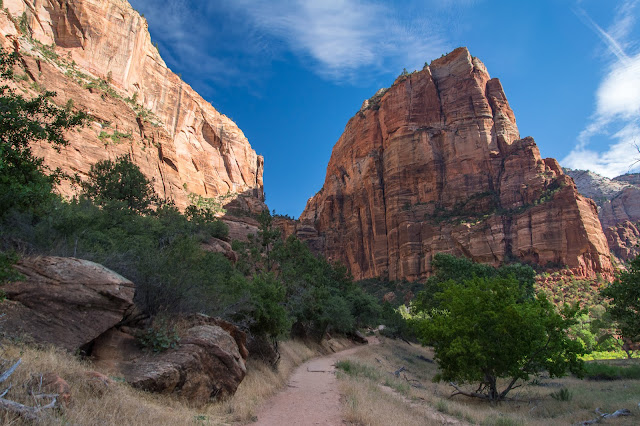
(618, 203)
(99, 54)
(435, 164)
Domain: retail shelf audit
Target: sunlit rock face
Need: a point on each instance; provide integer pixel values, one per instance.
(436, 164)
(141, 109)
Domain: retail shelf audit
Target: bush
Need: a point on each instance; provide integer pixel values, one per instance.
(119, 182)
(563, 394)
(158, 338)
(599, 371)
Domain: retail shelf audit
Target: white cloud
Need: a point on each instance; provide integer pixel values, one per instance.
(619, 93)
(343, 37)
(617, 109)
(341, 40)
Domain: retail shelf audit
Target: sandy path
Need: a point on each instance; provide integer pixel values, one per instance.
(311, 397)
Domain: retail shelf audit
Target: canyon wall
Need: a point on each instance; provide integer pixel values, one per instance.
(98, 56)
(618, 202)
(436, 164)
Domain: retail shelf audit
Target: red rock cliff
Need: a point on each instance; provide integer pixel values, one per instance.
(435, 164)
(99, 54)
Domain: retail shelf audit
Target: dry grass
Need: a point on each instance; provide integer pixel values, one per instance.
(93, 403)
(378, 398)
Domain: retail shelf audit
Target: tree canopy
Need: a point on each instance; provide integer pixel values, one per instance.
(624, 293)
(487, 328)
(25, 182)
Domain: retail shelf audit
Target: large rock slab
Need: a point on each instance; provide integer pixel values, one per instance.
(436, 164)
(66, 302)
(208, 363)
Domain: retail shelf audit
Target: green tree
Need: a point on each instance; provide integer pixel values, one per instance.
(122, 182)
(448, 267)
(25, 182)
(624, 309)
(485, 330)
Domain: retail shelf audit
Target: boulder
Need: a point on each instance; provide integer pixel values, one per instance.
(66, 302)
(208, 363)
(216, 245)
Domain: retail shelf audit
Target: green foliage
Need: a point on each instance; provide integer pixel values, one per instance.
(563, 394)
(624, 293)
(158, 338)
(119, 182)
(23, 24)
(114, 138)
(269, 316)
(459, 269)
(161, 252)
(316, 295)
(489, 328)
(7, 272)
(25, 183)
(202, 204)
(600, 371)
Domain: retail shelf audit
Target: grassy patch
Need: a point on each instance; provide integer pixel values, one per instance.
(599, 371)
(356, 369)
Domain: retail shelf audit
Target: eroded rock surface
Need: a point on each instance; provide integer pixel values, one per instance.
(618, 203)
(436, 164)
(208, 363)
(64, 301)
(103, 60)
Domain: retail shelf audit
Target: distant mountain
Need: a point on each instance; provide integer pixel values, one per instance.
(436, 164)
(597, 187)
(618, 201)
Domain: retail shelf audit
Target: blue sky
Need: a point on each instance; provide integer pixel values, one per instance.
(291, 73)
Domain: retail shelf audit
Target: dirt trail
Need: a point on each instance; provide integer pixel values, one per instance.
(311, 397)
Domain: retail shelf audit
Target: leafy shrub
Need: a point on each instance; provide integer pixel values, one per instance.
(158, 338)
(563, 394)
(600, 371)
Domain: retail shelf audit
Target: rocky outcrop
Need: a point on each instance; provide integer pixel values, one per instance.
(435, 164)
(618, 203)
(98, 56)
(599, 188)
(208, 363)
(64, 301)
(624, 239)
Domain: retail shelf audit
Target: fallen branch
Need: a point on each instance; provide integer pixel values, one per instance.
(29, 413)
(10, 371)
(618, 413)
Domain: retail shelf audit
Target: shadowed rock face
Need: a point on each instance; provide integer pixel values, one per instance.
(176, 137)
(64, 301)
(436, 164)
